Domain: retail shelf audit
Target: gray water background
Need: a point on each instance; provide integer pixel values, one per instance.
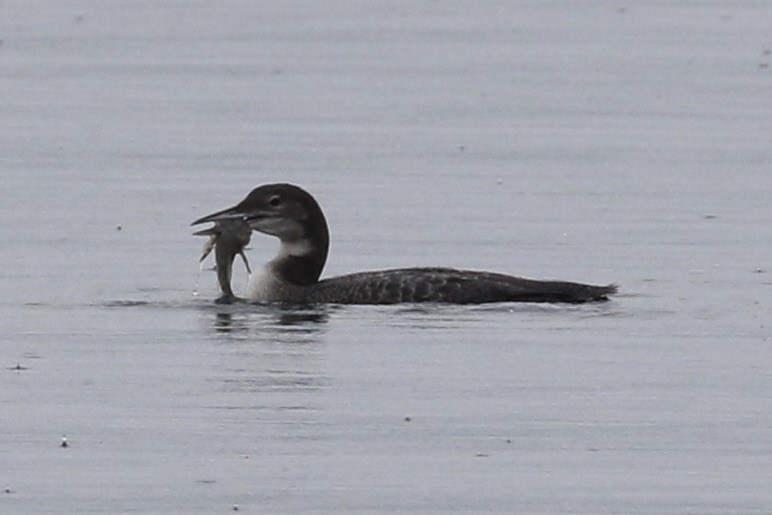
(591, 141)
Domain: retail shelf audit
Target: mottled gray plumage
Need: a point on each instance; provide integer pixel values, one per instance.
(293, 215)
(448, 285)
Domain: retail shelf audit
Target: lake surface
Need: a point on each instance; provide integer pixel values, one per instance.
(588, 141)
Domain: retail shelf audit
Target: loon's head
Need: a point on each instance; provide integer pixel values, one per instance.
(228, 239)
(283, 210)
(291, 214)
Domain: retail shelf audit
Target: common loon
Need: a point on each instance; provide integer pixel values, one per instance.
(293, 215)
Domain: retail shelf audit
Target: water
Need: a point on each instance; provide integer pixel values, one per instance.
(596, 142)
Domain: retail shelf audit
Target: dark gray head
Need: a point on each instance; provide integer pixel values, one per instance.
(291, 214)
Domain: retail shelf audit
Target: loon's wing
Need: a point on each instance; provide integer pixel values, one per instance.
(448, 285)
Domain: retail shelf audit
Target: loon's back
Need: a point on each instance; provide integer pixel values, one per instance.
(447, 285)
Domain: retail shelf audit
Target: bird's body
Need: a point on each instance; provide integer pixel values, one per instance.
(293, 215)
(442, 285)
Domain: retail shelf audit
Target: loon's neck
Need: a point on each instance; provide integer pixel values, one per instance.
(286, 277)
(300, 262)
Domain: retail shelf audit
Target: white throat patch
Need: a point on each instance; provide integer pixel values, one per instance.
(295, 248)
(261, 285)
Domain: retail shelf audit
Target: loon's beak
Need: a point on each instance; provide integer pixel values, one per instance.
(232, 213)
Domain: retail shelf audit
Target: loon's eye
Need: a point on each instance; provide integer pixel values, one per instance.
(274, 201)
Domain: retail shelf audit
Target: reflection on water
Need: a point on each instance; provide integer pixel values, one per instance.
(223, 323)
(277, 319)
(271, 359)
(301, 318)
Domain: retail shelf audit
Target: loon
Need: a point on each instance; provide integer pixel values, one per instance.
(293, 215)
(228, 239)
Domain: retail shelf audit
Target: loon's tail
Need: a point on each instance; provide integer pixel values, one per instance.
(559, 291)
